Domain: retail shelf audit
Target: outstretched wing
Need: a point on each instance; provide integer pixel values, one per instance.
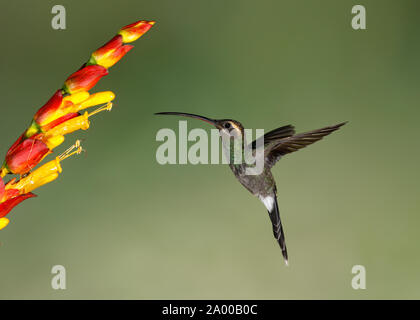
(276, 149)
(275, 135)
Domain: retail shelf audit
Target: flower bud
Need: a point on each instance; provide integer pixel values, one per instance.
(110, 53)
(24, 155)
(84, 79)
(135, 30)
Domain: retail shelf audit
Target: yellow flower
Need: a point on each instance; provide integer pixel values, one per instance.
(59, 109)
(55, 136)
(44, 174)
(4, 222)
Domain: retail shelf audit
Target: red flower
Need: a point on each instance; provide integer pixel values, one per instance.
(25, 154)
(11, 199)
(49, 109)
(8, 205)
(110, 53)
(57, 110)
(10, 193)
(84, 79)
(135, 30)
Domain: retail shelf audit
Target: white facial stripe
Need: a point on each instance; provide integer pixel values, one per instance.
(234, 126)
(268, 202)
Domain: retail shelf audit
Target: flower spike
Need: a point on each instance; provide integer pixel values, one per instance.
(59, 116)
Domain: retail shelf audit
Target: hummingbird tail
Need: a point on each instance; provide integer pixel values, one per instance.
(273, 210)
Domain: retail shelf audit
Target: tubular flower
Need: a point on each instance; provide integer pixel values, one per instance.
(24, 155)
(110, 53)
(8, 205)
(55, 136)
(44, 174)
(49, 109)
(135, 30)
(84, 79)
(58, 109)
(58, 117)
(16, 192)
(8, 200)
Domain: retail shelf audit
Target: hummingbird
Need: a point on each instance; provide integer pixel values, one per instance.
(276, 144)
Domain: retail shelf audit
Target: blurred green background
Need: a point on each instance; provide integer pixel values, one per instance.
(126, 227)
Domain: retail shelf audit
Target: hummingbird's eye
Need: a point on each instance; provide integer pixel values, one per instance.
(227, 125)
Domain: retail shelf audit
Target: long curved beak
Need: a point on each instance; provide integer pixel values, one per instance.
(190, 115)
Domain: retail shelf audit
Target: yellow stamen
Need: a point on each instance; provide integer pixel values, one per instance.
(46, 173)
(70, 104)
(107, 107)
(68, 153)
(55, 136)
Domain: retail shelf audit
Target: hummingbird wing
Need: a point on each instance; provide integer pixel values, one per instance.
(275, 135)
(276, 149)
(272, 206)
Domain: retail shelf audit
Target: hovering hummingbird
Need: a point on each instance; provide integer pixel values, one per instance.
(276, 144)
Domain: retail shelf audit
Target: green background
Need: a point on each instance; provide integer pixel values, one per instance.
(126, 227)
